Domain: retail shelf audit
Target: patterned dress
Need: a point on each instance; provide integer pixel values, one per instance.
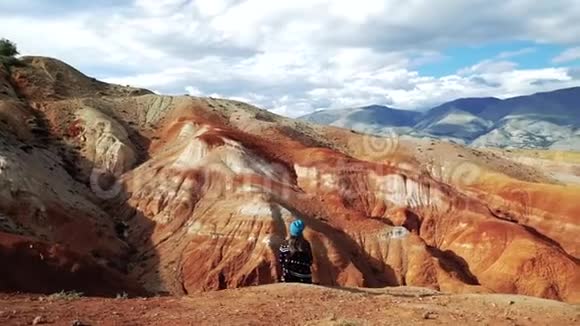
(295, 266)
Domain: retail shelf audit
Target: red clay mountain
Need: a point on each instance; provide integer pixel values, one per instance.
(137, 192)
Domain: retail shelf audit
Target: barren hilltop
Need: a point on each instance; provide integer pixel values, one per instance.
(106, 189)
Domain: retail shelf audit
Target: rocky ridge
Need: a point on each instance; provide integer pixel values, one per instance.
(176, 195)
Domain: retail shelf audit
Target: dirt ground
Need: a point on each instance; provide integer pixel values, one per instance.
(291, 305)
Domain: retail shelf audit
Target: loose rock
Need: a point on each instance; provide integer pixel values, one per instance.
(429, 315)
(38, 320)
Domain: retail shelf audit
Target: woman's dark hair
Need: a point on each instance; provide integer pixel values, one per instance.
(298, 243)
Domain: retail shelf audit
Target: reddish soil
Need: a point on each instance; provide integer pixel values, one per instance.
(207, 187)
(34, 266)
(293, 305)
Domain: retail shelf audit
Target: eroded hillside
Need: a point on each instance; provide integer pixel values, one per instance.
(159, 194)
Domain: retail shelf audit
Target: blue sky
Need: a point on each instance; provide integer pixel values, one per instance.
(527, 55)
(299, 56)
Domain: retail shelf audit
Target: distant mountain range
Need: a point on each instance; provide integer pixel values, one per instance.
(549, 120)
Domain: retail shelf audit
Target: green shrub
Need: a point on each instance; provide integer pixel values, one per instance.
(122, 295)
(10, 61)
(8, 48)
(65, 295)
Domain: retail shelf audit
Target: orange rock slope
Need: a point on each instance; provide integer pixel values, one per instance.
(184, 194)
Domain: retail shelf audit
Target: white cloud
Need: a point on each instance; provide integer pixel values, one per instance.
(160, 7)
(211, 7)
(424, 92)
(488, 67)
(568, 55)
(296, 56)
(193, 91)
(516, 53)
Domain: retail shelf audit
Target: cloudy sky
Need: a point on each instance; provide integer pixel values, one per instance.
(294, 57)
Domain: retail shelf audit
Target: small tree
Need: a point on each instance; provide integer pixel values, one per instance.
(8, 48)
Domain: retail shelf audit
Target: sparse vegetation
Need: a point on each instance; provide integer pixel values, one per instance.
(122, 295)
(8, 48)
(65, 295)
(347, 323)
(8, 53)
